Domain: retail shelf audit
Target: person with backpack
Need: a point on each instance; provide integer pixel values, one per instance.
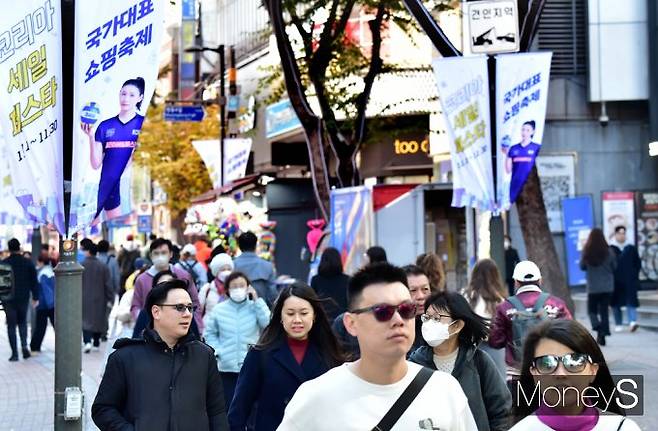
(518, 314)
(126, 260)
(46, 307)
(189, 264)
(25, 284)
(108, 259)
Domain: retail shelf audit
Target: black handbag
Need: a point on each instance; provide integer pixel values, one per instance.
(404, 401)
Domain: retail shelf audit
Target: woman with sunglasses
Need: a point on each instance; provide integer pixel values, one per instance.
(232, 326)
(454, 332)
(297, 345)
(561, 354)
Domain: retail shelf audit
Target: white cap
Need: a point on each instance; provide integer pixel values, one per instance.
(189, 249)
(220, 261)
(526, 271)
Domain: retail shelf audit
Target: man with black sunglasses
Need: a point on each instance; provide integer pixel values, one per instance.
(166, 380)
(381, 390)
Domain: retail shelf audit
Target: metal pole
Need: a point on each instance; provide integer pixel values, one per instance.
(496, 228)
(68, 330)
(222, 107)
(653, 70)
(68, 273)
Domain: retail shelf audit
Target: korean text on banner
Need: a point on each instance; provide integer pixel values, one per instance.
(236, 157)
(578, 218)
(11, 212)
(211, 156)
(521, 97)
(464, 92)
(117, 46)
(31, 108)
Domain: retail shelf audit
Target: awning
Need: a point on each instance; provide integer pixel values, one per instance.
(212, 195)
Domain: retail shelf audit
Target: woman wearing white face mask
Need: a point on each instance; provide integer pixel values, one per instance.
(234, 325)
(453, 332)
(214, 292)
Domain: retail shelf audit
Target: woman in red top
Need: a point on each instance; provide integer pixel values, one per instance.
(297, 345)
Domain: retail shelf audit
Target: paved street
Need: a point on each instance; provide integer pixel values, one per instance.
(26, 399)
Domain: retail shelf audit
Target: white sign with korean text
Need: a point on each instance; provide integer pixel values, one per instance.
(211, 156)
(236, 158)
(463, 84)
(117, 50)
(492, 26)
(521, 97)
(31, 108)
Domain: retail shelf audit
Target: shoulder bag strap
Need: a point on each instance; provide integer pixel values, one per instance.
(516, 303)
(404, 401)
(541, 301)
(621, 424)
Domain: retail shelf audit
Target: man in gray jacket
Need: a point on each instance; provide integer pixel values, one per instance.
(260, 272)
(97, 293)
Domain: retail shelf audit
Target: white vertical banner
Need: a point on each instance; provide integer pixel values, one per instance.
(211, 156)
(117, 47)
(31, 107)
(236, 157)
(463, 84)
(521, 98)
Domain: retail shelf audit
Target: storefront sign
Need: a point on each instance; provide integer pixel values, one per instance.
(31, 108)
(618, 210)
(144, 224)
(647, 233)
(280, 118)
(396, 154)
(578, 217)
(463, 85)
(521, 98)
(117, 54)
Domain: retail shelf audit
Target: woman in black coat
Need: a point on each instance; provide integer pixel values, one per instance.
(453, 332)
(297, 345)
(331, 283)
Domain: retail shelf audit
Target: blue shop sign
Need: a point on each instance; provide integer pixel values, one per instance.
(578, 216)
(280, 118)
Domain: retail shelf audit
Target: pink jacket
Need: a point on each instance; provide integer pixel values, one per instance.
(144, 283)
(501, 327)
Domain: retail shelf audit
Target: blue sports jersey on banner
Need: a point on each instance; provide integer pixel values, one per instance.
(31, 108)
(117, 57)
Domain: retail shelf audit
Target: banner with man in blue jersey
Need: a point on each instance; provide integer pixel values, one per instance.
(521, 97)
(117, 49)
(31, 110)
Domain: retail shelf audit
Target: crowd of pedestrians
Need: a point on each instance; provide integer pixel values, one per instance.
(209, 341)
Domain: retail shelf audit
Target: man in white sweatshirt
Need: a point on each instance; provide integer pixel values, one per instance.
(358, 395)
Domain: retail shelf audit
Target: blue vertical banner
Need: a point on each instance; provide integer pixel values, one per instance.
(578, 217)
(351, 224)
(31, 109)
(186, 65)
(117, 56)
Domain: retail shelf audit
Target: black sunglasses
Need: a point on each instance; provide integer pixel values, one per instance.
(385, 312)
(181, 307)
(573, 363)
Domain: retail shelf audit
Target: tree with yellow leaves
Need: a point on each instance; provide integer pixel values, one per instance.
(165, 149)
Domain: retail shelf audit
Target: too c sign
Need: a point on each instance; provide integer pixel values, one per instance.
(411, 147)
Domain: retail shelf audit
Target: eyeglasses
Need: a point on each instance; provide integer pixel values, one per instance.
(573, 363)
(436, 317)
(181, 308)
(385, 312)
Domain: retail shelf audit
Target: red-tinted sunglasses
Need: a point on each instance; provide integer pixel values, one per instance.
(385, 312)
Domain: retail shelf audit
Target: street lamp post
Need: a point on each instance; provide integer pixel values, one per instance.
(221, 98)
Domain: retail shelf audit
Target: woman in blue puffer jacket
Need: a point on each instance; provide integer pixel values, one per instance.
(233, 326)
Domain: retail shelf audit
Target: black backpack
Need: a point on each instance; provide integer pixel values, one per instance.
(7, 287)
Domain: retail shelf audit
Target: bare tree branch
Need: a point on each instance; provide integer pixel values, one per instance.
(431, 28)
